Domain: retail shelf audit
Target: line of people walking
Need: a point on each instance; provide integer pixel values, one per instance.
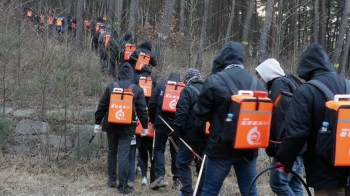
(179, 110)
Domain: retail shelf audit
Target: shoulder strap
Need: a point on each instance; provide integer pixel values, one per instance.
(347, 86)
(116, 85)
(227, 79)
(253, 84)
(131, 86)
(195, 89)
(294, 80)
(327, 92)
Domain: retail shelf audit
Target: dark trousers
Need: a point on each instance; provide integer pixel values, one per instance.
(184, 159)
(144, 146)
(111, 68)
(159, 149)
(118, 144)
(132, 171)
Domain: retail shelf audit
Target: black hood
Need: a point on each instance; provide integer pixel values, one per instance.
(115, 34)
(127, 36)
(126, 72)
(174, 77)
(314, 61)
(147, 45)
(231, 53)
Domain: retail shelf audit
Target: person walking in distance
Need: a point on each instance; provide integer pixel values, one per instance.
(185, 127)
(161, 134)
(213, 105)
(120, 135)
(271, 74)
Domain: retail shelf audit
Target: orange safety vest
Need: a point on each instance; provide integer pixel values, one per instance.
(30, 13)
(253, 113)
(59, 22)
(146, 84)
(139, 129)
(87, 24)
(142, 60)
(171, 96)
(107, 38)
(50, 20)
(73, 25)
(129, 49)
(121, 106)
(42, 19)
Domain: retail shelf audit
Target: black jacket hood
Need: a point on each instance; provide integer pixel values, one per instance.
(174, 77)
(147, 45)
(231, 53)
(127, 36)
(126, 72)
(109, 27)
(115, 35)
(314, 61)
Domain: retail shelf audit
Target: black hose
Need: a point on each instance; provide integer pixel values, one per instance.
(273, 167)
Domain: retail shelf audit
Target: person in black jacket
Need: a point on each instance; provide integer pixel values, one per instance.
(213, 105)
(144, 144)
(103, 53)
(271, 73)
(146, 48)
(128, 39)
(184, 126)
(119, 135)
(113, 47)
(161, 134)
(95, 33)
(304, 120)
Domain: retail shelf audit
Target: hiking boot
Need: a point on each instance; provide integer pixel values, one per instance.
(144, 181)
(159, 182)
(177, 185)
(126, 190)
(111, 183)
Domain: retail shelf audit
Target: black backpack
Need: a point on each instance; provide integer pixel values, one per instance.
(333, 140)
(276, 135)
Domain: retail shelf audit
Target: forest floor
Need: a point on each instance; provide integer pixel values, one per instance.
(37, 176)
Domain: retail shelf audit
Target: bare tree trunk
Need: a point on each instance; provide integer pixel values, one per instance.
(294, 33)
(323, 22)
(202, 36)
(279, 22)
(273, 33)
(229, 26)
(164, 30)
(79, 30)
(340, 38)
(118, 14)
(132, 17)
(316, 21)
(19, 50)
(345, 57)
(265, 30)
(111, 10)
(246, 24)
(182, 16)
